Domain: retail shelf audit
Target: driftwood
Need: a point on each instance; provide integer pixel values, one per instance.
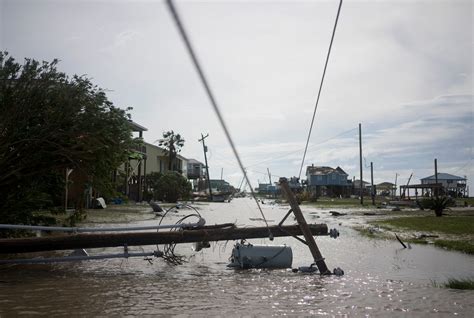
(207, 233)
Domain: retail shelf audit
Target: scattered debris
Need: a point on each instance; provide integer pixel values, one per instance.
(403, 244)
(374, 229)
(306, 269)
(246, 255)
(155, 206)
(335, 213)
(338, 271)
(422, 236)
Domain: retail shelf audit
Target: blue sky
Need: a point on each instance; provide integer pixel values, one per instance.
(401, 68)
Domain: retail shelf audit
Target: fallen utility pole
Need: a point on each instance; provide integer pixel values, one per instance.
(206, 233)
(307, 233)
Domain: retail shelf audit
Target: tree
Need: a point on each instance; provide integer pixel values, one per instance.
(50, 122)
(172, 144)
(169, 186)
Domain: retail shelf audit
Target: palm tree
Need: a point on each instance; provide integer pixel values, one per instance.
(172, 144)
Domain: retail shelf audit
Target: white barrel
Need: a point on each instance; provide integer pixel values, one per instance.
(261, 256)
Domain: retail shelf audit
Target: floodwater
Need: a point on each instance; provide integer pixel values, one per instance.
(381, 278)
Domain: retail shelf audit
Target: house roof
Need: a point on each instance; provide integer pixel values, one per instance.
(386, 184)
(357, 183)
(164, 151)
(445, 176)
(136, 127)
(323, 170)
(194, 161)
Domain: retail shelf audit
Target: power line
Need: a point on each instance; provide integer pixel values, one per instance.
(204, 81)
(320, 86)
(292, 152)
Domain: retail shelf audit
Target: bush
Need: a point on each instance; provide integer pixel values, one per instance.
(169, 186)
(438, 205)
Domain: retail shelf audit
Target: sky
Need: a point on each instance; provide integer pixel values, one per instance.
(403, 69)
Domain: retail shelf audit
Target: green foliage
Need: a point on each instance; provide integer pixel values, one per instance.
(169, 186)
(458, 245)
(172, 143)
(454, 283)
(438, 205)
(449, 225)
(50, 122)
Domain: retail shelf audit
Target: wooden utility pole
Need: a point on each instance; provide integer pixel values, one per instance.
(372, 190)
(204, 148)
(318, 258)
(269, 176)
(436, 177)
(206, 233)
(360, 165)
(396, 176)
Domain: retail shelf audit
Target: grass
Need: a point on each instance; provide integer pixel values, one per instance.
(448, 225)
(458, 245)
(347, 202)
(453, 283)
(457, 231)
(461, 201)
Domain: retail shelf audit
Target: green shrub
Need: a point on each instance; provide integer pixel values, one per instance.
(169, 186)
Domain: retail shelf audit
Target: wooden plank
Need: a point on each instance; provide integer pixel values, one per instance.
(305, 229)
(208, 233)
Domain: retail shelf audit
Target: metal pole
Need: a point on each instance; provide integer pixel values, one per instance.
(360, 164)
(204, 148)
(313, 247)
(372, 190)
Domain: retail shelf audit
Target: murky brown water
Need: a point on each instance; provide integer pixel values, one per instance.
(381, 279)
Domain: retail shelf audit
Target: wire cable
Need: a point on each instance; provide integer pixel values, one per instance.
(204, 81)
(320, 87)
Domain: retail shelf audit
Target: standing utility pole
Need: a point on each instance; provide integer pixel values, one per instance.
(395, 193)
(436, 177)
(204, 148)
(360, 164)
(372, 190)
(269, 176)
(222, 172)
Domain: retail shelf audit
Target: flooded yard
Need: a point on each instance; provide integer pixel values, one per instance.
(381, 278)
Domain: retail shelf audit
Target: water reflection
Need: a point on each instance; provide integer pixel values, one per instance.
(381, 278)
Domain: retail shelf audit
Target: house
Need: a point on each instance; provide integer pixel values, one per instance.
(450, 184)
(218, 185)
(385, 189)
(356, 187)
(323, 180)
(149, 158)
(195, 169)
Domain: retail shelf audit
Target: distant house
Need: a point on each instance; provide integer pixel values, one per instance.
(195, 169)
(323, 180)
(158, 161)
(450, 184)
(218, 185)
(356, 187)
(385, 189)
(267, 188)
(145, 160)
